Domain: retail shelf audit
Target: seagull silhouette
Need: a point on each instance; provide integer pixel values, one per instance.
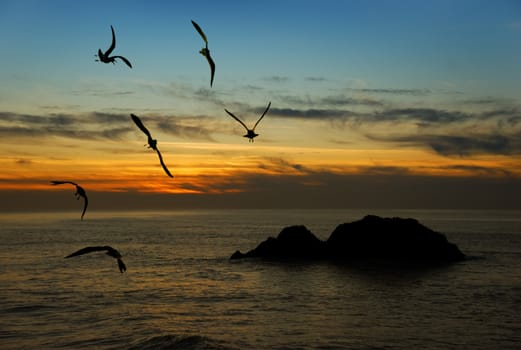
(110, 252)
(80, 192)
(151, 142)
(105, 56)
(205, 52)
(250, 132)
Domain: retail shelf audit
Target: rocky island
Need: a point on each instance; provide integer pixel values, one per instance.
(372, 237)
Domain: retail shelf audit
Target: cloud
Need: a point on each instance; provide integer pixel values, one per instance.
(447, 132)
(177, 128)
(24, 161)
(80, 126)
(462, 145)
(483, 101)
(276, 79)
(411, 92)
(376, 187)
(385, 170)
(341, 100)
(311, 113)
(101, 93)
(316, 79)
(109, 118)
(468, 145)
(99, 125)
(422, 115)
(316, 190)
(282, 166)
(480, 170)
(450, 133)
(336, 101)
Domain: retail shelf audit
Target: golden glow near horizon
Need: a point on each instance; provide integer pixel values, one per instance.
(202, 167)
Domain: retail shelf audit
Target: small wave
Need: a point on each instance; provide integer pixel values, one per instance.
(171, 342)
(27, 308)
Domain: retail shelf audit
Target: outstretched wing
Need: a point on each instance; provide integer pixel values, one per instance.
(63, 182)
(163, 163)
(113, 44)
(86, 203)
(87, 250)
(200, 31)
(127, 62)
(212, 67)
(262, 116)
(234, 117)
(140, 125)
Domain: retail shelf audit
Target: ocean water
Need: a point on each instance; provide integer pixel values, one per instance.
(181, 291)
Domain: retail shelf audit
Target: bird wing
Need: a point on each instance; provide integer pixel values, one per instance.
(87, 250)
(63, 182)
(234, 117)
(113, 44)
(84, 205)
(140, 125)
(127, 62)
(262, 116)
(163, 163)
(200, 31)
(121, 265)
(212, 67)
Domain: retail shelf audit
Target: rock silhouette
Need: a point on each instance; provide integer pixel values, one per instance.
(292, 242)
(372, 237)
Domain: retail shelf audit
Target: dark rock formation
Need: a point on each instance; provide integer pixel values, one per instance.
(390, 238)
(292, 242)
(370, 238)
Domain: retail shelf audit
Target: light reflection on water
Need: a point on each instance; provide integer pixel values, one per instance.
(180, 283)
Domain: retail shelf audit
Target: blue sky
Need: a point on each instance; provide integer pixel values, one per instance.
(408, 88)
(470, 45)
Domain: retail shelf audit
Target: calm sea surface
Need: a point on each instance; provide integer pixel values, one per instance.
(181, 291)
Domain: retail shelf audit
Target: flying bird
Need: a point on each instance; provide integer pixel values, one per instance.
(151, 142)
(110, 252)
(105, 56)
(206, 52)
(80, 192)
(250, 132)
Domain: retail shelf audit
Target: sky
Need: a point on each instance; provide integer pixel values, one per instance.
(374, 104)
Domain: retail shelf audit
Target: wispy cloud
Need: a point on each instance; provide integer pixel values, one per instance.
(462, 145)
(479, 170)
(101, 92)
(316, 79)
(98, 125)
(311, 113)
(421, 115)
(413, 92)
(337, 101)
(341, 100)
(277, 79)
(81, 126)
(179, 128)
(384, 170)
(24, 161)
(282, 166)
